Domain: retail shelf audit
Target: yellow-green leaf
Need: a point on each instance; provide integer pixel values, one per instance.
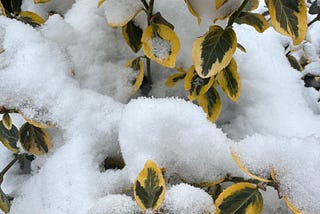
(137, 65)
(255, 20)
(213, 51)
(132, 34)
(192, 10)
(196, 85)
(241, 48)
(149, 187)
(100, 3)
(9, 138)
(2, 9)
(294, 63)
(289, 18)
(41, 1)
(293, 209)
(229, 80)
(4, 202)
(34, 140)
(211, 104)
(31, 18)
(245, 170)
(7, 121)
(174, 79)
(161, 44)
(120, 12)
(219, 3)
(240, 198)
(251, 5)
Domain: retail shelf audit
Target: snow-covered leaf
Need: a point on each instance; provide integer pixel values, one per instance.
(149, 187)
(34, 140)
(213, 51)
(211, 104)
(229, 80)
(132, 33)
(294, 63)
(245, 170)
(120, 12)
(255, 20)
(196, 85)
(161, 44)
(9, 138)
(137, 65)
(240, 198)
(289, 18)
(293, 209)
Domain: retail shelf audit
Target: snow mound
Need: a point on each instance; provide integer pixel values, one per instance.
(295, 161)
(183, 198)
(175, 134)
(115, 204)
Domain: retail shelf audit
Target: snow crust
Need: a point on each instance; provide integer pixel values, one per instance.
(71, 72)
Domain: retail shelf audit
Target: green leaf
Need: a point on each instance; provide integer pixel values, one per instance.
(294, 63)
(41, 1)
(132, 34)
(9, 138)
(16, 6)
(255, 20)
(229, 80)
(211, 104)
(137, 65)
(149, 187)
(4, 202)
(196, 85)
(213, 51)
(289, 17)
(34, 140)
(7, 121)
(315, 8)
(31, 18)
(240, 198)
(161, 44)
(6, 7)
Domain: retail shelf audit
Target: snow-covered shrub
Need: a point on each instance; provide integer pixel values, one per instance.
(68, 72)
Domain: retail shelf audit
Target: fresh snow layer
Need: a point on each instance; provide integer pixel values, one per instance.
(183, 198)
(71, 72)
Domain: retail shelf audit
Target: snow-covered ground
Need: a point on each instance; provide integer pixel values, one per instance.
(72, 69)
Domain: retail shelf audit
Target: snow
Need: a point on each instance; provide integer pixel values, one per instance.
(183, 198)
(71, 72)
(160, 47)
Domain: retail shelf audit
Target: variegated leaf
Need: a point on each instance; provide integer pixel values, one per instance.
(289, 17)
(213, 51)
